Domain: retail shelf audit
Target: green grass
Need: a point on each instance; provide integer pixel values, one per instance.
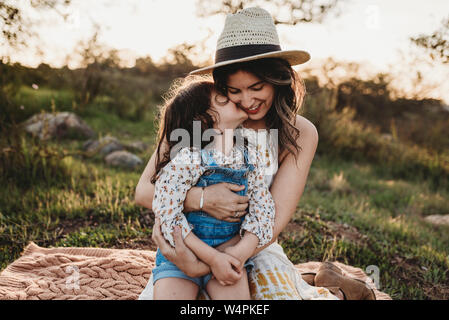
(106, 122)
(364, 219)
(351, 211)
(32, 101)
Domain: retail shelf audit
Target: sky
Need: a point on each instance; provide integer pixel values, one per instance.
(374, 33)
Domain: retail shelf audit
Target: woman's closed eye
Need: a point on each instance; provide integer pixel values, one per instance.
(235, 91)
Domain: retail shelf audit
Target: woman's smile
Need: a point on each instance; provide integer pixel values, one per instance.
(253, 110)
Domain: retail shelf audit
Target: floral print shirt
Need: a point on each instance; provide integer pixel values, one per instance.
(184, 171)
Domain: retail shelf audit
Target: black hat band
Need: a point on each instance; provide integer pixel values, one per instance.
(243, 51)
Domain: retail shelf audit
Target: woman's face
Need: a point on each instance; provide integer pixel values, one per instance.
(250, 93)
(229, 116)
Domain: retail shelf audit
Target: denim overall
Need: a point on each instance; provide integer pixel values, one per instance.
(212, 231)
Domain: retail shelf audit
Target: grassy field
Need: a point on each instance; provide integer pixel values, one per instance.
(351, 211)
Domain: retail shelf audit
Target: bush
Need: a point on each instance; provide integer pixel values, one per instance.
(341, 136)
(26, 161)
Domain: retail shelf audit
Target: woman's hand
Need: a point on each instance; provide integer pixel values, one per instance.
(181, 255)
(220, 201)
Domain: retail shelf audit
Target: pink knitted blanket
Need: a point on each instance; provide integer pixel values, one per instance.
(96, 274)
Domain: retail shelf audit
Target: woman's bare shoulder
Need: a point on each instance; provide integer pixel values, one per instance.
(308, 136)
(307, 129)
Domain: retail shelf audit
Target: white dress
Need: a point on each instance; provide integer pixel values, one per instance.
(273, 277)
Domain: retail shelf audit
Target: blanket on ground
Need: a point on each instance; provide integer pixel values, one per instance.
(96, 274)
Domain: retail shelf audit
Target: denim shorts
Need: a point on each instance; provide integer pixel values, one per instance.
(167, 269)
(210, 230)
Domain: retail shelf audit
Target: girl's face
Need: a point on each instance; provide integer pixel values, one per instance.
(229, 116)
(250, 93)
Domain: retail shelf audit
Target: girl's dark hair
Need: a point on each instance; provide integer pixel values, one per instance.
(186, 101)
(289, 92)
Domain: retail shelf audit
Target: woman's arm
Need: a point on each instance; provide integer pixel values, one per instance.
(145, 189)
(292, 173)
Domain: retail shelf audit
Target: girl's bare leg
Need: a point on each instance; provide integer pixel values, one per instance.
(175, 289)
(238, 291)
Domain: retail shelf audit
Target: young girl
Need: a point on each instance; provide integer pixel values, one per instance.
(220, 161)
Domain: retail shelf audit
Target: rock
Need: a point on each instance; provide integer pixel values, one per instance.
(438, 219)
(137, 146)
(123, 159)
(59, 125)
(104, 146)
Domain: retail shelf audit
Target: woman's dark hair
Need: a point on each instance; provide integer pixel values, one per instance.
(289, 92)
(186, 101)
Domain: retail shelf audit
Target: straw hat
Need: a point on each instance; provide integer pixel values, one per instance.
(250, 34)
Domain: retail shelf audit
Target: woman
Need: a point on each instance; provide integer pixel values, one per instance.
(252, 70)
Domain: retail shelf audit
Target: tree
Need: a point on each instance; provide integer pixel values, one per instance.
(96, 59)
(16, 28)
(17, 25)
(437, 43)
(287, 12)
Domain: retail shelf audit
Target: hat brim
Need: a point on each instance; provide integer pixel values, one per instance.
(294, 57)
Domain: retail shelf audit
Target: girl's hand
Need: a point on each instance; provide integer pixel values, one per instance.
(181, 255)
(225, 269)
(234, 252)
(221, 202)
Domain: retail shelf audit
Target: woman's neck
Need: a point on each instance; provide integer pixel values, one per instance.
(255, 124)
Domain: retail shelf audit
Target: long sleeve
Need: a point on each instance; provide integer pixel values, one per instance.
(171, 187)
(260, 219)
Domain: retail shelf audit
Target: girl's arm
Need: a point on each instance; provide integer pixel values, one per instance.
(224, 267)
(172, 184)
(260, 218)
(257, 227)
(291, 177)
(243, 249)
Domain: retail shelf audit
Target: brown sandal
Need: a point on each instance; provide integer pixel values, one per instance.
(330, 266)
(309, 277)
(353, 289)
